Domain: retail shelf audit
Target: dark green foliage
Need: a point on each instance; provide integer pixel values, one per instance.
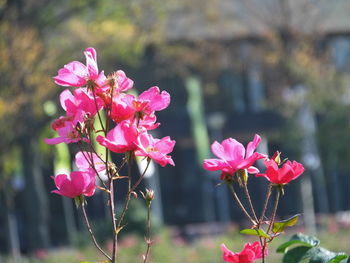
(308, 250)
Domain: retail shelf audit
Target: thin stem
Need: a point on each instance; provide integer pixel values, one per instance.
(267, 198)
(130, 190)
(98, 112)
(91, 233)
(240, 203)
(250, 202)
(142, 176)
(91, 163)
(273, 217)
(148, 233)
(262, 241)
(111, 205)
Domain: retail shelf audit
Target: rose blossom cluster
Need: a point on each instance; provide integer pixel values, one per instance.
(132, 117)
(235, 163)
(233, 158)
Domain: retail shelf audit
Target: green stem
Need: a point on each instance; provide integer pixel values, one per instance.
(267, 198)
(273, 217)
(240, 203)
(98, 112)
(250, 202)
(130, 190)
(87, 223)
(148, 234)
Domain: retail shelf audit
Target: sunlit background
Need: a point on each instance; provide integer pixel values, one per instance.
(279, 68)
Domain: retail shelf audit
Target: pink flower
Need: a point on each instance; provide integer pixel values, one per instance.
(234, 157)
(127, 107)
(153, 100)
(78, 183)
(250, 253)
(120, 139)
(122, 107)
(116, 83)
(66, 129)
(77, 74)
(86, 160)
(156, 149)
(124, 83)
(288, 172)
(148, 122)
(81, 100)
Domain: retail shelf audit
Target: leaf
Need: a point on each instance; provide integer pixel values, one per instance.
(296, 255)
(312, 254)
(339, 258)
(254, 232)
(322, 255)
(299, 239)
(281, 225)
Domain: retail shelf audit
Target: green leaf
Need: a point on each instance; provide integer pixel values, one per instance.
(281, 225)
(254, 232)
(296, 255)
(299, 239)
(322, 255)
(339, 258)
(313, 255)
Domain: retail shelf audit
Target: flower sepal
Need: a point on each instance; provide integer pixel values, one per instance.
(79, 201)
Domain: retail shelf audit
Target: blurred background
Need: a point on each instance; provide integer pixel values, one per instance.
(279, 68)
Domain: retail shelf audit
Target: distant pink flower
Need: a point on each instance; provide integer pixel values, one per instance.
(250, 253)
(76, 74)
(86, 160)
(156, 149)
(66, 129)
(81, 100)
(234, 157)
(78, 183)
(120, 139)
(288, 172)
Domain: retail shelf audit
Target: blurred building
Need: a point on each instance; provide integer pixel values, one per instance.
(224, 44)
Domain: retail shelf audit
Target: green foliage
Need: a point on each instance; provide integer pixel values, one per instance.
(299, 239)
(281, 225)
(254, 232)
(308, 250)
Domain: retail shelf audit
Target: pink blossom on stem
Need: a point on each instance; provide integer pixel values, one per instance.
(288, 172)
(86, 160)
(124, 83)
(66, 129)
(148, 122)
(76, 184)
(234, 157)
(122, 107)
(153, 100)
(82, 100)
(126, 106)
(120, 139)
(250, 253)
(76, 74)
(156, 149)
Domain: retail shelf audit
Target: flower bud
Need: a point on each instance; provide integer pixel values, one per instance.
(148, 196)
(277, 157)
(242, 176)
